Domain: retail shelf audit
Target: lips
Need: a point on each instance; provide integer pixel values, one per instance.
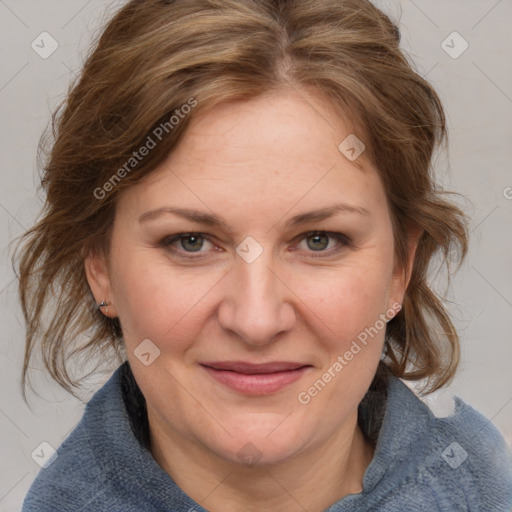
(251, 368)
(255, 379)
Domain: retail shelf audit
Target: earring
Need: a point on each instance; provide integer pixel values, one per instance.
(104, 304)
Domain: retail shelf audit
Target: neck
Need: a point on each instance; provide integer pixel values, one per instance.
(312, 480)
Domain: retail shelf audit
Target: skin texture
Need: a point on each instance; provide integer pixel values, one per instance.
(256, 164)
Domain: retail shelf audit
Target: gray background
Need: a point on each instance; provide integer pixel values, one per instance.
(476, 89)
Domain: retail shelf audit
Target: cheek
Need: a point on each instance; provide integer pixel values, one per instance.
(158, 301)
(346, 300)
(352, 324)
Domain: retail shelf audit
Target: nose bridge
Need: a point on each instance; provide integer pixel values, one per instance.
(257, 306)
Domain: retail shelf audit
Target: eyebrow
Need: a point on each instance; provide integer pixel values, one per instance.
(216, 221)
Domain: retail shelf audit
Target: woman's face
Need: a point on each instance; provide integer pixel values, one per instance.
(264, 337)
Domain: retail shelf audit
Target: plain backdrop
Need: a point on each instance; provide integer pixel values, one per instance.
(476, 88)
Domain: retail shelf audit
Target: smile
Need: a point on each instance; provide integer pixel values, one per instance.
(256, 379)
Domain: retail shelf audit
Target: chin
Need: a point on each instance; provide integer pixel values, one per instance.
(265, 440)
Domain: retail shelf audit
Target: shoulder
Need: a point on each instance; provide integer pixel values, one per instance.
(468, 465)
(71, 481)
(455, 463)
(471, 453)
(76, 477)
(103, 466)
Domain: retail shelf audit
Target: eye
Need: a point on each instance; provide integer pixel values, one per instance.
(319, 242)
(186, 242)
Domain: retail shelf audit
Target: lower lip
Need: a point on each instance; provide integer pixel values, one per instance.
(257, 384)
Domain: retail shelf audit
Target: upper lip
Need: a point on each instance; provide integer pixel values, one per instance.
(251, 368)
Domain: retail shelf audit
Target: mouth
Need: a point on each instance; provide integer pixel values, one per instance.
(256, 379)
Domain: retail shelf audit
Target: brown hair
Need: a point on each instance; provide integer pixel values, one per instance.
(156, 56)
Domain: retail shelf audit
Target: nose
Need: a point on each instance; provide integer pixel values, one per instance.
(257, 304)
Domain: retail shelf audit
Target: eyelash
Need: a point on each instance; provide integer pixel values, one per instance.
(343, 240)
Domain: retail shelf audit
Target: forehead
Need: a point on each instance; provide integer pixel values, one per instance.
(270, 151)
(284, 124)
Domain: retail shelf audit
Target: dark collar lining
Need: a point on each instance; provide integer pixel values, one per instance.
(135, 404)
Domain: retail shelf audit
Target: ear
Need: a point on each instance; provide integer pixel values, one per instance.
(413, 236)
(402, 274)
(96, 270)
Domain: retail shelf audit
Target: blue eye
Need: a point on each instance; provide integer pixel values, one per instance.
(192, 242)
(317, 243)
(189, 242)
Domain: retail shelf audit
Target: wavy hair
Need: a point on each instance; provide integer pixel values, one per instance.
(153, 57)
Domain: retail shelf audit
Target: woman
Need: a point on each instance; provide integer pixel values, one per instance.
(240, 206)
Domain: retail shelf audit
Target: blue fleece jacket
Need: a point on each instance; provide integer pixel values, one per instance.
(421, 462)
